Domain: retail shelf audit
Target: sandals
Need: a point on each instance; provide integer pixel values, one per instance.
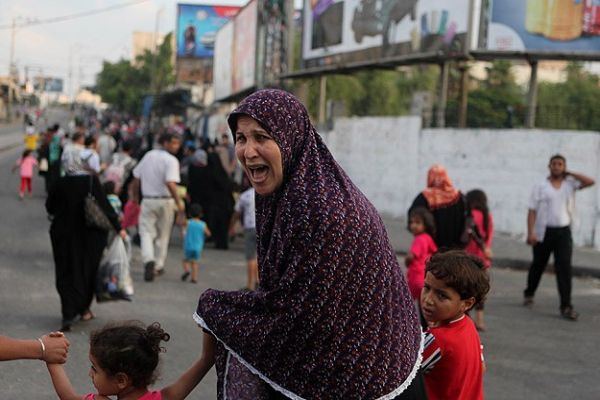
(569, 313)
(87, 316)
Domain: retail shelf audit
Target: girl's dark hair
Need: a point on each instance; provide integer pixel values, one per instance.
(130, 348)
(461, 271)
(477, 200)
(26, 152)
(426, 216)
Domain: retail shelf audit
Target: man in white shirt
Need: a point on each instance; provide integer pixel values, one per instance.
(549, 230)
(158, 174)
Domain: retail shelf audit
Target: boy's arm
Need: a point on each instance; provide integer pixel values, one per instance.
(61, 383)
(190, 378)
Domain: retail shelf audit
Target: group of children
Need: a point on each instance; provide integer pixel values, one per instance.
(446, 286)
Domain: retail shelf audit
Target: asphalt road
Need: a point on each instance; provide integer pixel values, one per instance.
(530, 353)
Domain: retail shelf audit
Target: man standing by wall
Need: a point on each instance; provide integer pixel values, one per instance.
(158, 173)
(549, 230)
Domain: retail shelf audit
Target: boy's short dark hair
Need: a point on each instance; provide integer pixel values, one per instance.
(196, 210)
(558, 157)
(109, 187)
(462, 272)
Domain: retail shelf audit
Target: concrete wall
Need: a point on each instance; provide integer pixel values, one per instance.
(388, 159)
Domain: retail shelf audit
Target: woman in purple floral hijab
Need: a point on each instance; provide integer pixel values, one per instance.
(332, 317)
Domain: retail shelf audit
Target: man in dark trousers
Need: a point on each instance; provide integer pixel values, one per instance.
(549, 230)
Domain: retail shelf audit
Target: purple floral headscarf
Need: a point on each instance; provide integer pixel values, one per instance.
(332, 317)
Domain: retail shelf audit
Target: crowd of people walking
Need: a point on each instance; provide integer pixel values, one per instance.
(327, 313)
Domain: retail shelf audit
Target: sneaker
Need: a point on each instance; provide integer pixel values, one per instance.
(185, 275)
(528, 301)
(569, 313)
(149, 271)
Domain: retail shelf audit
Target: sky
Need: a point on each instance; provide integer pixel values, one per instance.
(80, 44)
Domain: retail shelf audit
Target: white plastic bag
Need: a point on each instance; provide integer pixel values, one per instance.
(114, 279)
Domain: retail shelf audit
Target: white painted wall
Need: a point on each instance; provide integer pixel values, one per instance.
(388, 159)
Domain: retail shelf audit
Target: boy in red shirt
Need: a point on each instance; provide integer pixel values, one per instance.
(452, 358)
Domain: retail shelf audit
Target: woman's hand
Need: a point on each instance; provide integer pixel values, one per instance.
(56, 348)
(123, 234)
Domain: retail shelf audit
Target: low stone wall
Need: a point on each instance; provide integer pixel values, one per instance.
(388, 159)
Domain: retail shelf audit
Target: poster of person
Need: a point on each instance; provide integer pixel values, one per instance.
(361, 30)
(544, 26)
(197, 26)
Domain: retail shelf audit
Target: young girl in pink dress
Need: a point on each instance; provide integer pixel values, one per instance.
(480, 245)
(123, 359)
(422, 226)
(25, 165)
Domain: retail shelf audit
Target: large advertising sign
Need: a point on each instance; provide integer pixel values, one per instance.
(244, 44)
(538, 26)
(223, 61)
(197, 26)
(339, 31)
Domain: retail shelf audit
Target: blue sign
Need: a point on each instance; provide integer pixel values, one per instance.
(197, 27)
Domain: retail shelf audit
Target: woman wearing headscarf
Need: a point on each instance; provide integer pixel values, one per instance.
(447, 205)
(332, 317)
(77, 248)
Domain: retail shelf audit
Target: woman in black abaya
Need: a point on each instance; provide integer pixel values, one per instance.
(77, 249)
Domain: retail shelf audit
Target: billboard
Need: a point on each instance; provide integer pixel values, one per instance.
(223, 61)
(544, 26)
(197, 26)
(340, 31)
(244, 48)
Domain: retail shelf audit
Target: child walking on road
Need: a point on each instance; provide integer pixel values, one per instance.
(480, 243)
(453, 357)
(195, 233)
(123, 361)
(422, 226)
(25, 164)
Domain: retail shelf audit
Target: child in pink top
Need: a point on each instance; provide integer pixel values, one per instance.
(481, 234)
(422, 226)
(25, 164)
(123, 360)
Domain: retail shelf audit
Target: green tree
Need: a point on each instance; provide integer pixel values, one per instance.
(572, 104)
(123, 85)
(498, 101)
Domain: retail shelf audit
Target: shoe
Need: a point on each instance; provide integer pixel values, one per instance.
(193, 281)
(185, 275)
(528, 301)
(569, 313)
(65, 328)
(149, 271)
(159, 272)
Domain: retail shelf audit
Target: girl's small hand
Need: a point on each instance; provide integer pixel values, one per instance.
(488, 252)
(123, 234)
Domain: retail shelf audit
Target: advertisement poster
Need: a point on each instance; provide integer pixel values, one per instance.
(244, 43)
(337, 31)
(571, 26)
(197, 26)
(223, 61)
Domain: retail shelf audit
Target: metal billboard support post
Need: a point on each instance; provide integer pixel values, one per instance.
(464, 95)
(442, 96)
(532, 95)
(322, 99)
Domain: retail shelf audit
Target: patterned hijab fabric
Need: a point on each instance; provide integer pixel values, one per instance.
(332, 317)
(439, 192)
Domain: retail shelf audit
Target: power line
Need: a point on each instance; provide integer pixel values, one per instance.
(71, 16)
